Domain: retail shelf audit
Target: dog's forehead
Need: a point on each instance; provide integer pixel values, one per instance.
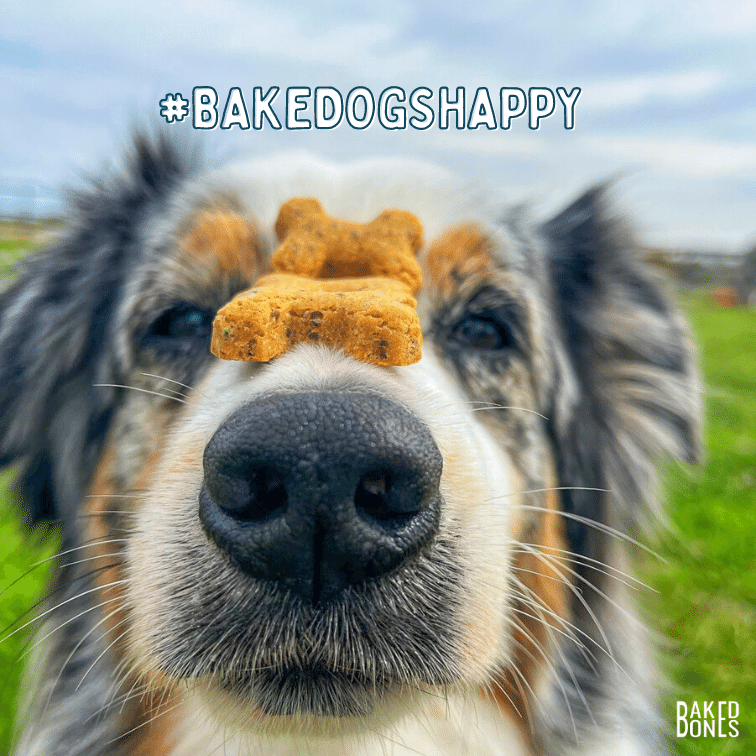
(221, 228)
(358, 191)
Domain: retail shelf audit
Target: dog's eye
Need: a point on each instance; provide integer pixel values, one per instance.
(482, 331)
(182, 322)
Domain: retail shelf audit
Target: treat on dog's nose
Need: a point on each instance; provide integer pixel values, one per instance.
(345, 285)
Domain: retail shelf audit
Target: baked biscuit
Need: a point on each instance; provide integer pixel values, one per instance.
(372, 319)
(314, 244)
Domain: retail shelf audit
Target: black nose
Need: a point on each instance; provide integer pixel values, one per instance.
(318, 491)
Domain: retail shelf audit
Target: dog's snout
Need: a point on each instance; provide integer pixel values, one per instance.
(318, 491)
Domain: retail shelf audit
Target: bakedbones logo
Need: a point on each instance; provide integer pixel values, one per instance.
(708, 719)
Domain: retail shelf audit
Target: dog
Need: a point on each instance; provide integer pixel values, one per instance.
(318, 555)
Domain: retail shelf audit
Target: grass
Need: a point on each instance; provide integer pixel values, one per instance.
(11, 249)
(706, 606)
(707, 601)
(20, 587)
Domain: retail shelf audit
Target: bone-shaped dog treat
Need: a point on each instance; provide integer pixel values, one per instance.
(314, 244)
(346, 285)
(371, 319)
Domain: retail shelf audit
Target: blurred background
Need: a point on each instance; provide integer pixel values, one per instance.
(667, 103)
(668, 92)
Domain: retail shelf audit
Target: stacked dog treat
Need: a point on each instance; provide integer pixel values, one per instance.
(346, 285)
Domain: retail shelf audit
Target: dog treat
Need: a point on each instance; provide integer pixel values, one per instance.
(371, 319)
(346, 285)
(314, 244)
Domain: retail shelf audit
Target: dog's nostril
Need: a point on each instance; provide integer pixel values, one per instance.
(252, 493)
(375, 483)
(377, 497)
(371, 496)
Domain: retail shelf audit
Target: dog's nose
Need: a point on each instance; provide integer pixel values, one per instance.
(318, 491)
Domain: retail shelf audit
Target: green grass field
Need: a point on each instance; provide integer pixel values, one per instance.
(706, 605)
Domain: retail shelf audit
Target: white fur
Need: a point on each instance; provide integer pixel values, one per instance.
(450, 727)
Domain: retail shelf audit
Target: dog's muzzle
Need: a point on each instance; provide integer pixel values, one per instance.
(320, 491)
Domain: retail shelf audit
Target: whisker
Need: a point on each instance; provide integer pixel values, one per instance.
(589, 659)
(105, 650)
(520, 680)
(134, 694)
(547, 662)
(143, 390)
(385, 737)
(579, 596)
(551, 488)
(489, 686)
(39, 641)
(63, 603)
(178, 383)
(578, 576)
(113, 496)
(588, 562)
(606, 650)
(591, 523)
(120, 676)
(152, 719)
(545, 558)
(549, 628)
(96, 541)
(493, 406)
(530, 598)
(140, 687)
(71, 655)
(55, 556)
(59, 589)
(569, 633)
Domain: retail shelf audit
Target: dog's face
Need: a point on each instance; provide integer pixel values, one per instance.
(320, 545)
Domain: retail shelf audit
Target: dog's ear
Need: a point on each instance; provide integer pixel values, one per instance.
(55, 327)
(626, 390)
(635, 381)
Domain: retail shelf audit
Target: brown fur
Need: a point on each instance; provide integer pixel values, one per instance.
(457, 255)
(225, 238)
(545, 577)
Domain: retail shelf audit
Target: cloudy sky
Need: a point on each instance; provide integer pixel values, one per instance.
(667, 102)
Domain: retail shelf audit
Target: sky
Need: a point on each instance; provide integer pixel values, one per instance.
(667, 102)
